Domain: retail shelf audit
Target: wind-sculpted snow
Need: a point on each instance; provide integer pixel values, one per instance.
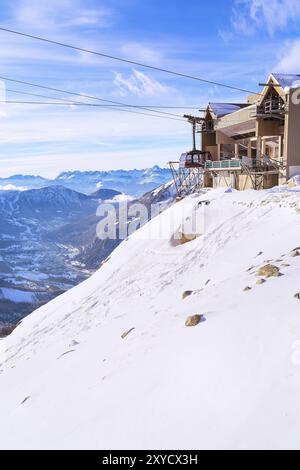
(110, 364)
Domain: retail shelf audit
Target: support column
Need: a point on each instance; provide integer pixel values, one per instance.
(236, 150)
(258, 149)
(194, 135)
(249, 149)
(280, 147)
(219, 151)
(263, 147)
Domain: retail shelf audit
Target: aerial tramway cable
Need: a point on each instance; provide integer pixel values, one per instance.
(140, 64)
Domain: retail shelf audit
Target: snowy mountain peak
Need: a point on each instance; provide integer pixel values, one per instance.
(133, 182)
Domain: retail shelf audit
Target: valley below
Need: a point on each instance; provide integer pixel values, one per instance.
(48, 240)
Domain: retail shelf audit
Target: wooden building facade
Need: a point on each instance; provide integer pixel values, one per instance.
(262, 134)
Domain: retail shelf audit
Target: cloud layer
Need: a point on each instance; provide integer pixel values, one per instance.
(50, 138)
(139, 84)
(250, 16)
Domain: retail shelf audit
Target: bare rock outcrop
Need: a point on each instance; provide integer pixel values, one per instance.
(269, 270)
(194, 320)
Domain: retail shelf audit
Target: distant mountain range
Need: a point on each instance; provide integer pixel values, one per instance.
(132, 182)
(34, 267)
(105, 194)
(48, 241)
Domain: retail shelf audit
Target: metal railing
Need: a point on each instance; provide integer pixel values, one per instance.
(264, 163)
(271, 106)
(220, 164)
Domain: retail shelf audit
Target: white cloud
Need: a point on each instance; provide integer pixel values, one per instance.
(47, 141)
(100, 17)
(51, 164)
(249, 16)
(142, 53)
(138, 84)
(60, 20)
(12, 187)
(43, 135)
(58, 14)
(225, 35)
(289, 58)
(45, 125)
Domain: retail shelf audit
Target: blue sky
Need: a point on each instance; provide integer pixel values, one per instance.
(236, 41)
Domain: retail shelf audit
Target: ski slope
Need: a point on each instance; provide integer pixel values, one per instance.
(68, 380)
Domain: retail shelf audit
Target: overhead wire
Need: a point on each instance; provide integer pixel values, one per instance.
(128, 61)
(84, 95)
(91, 105)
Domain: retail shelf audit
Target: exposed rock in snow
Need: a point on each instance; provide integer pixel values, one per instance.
(25, 399)
(180, 238)
(186, 294)
(194, 320)
(126, 333)
(269, 270)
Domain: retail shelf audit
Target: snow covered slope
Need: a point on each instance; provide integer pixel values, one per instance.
(69, 380)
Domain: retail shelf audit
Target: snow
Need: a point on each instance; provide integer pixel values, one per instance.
(233, 381)
(287, 81)
(16, 295)
(222, 109)
(120, 198)
(33, 276)
(295, 180)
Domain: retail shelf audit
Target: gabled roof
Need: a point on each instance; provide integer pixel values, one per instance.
(286, 80)
(222, 109)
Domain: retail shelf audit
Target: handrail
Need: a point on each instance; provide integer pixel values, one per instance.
(273, 161)
(223, 164)
(254, 163)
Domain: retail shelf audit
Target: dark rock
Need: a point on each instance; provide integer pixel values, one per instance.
(269, 270)
(126, 333)
(186, 294)
(194, 320)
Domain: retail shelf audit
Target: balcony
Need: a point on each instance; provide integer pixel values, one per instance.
(223, 165)
(272, 107)
(207, 126)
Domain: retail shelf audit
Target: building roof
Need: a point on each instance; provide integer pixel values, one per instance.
(286, 80)
(222, 109)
